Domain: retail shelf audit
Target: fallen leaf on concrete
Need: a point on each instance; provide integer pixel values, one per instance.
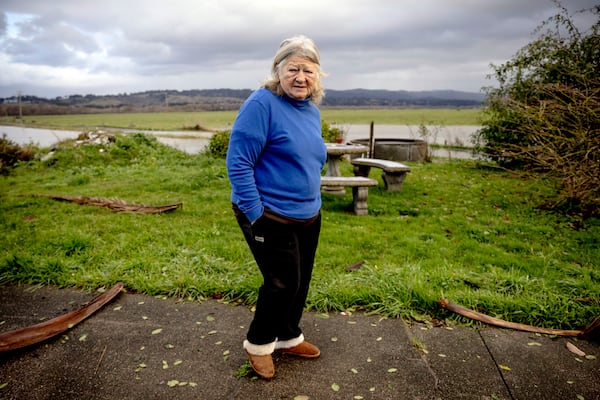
(157, 331)
(173, 383)
(504, 367)
(574, 349)
(301, 397)
(335, 387)
(140, 367)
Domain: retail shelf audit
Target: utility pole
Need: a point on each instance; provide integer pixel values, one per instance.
(20, 106)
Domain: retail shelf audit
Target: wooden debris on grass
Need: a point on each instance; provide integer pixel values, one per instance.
(355, 266)
(116, 205)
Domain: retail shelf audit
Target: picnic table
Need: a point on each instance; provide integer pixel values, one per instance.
(335, 152)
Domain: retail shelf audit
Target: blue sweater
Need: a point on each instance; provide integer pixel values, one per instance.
(275, 156)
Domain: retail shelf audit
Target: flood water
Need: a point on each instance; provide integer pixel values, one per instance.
(195, 142)
(190, 142)
(455, 135)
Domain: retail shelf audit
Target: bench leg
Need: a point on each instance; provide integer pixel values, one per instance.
(362, 170)
(393, 181)
(359, 199)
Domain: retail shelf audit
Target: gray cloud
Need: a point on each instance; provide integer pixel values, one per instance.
(43, 42)
(67, 46)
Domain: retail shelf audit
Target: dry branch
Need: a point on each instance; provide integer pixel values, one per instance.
(22, 337)
(117, 205)
(592, 330)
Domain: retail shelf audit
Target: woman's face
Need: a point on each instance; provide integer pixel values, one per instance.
(298, 77)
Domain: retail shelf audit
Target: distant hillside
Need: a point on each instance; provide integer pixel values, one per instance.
(226, 99)
(401, 98)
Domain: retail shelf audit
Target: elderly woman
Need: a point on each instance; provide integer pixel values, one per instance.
(275, 157)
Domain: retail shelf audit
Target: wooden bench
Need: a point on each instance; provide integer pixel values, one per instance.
(393, 173)
(360, 189)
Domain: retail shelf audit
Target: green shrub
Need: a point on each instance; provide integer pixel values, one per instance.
(219, 142)
(330, 134)
(544, 117)
(11, 153)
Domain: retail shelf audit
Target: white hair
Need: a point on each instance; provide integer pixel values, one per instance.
(302, 46)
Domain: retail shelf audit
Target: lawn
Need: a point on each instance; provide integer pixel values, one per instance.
(459, 229)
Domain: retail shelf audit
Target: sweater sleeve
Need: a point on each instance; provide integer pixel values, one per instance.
(248, 138)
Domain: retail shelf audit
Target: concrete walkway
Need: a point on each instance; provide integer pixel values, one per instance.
(141, 347)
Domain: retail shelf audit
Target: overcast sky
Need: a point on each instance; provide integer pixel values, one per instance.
(54, 48)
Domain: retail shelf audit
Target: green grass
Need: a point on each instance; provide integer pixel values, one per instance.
(404, 116)
(223, 119)
(459, 230)
(170, 121)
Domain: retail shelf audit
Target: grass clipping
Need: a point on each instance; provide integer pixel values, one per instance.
(117, 205)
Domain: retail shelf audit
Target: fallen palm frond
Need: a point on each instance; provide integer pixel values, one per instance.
(117, 205)
(591, 331)
(22, 337)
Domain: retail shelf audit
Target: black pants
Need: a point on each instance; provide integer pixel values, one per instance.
(285, 252)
